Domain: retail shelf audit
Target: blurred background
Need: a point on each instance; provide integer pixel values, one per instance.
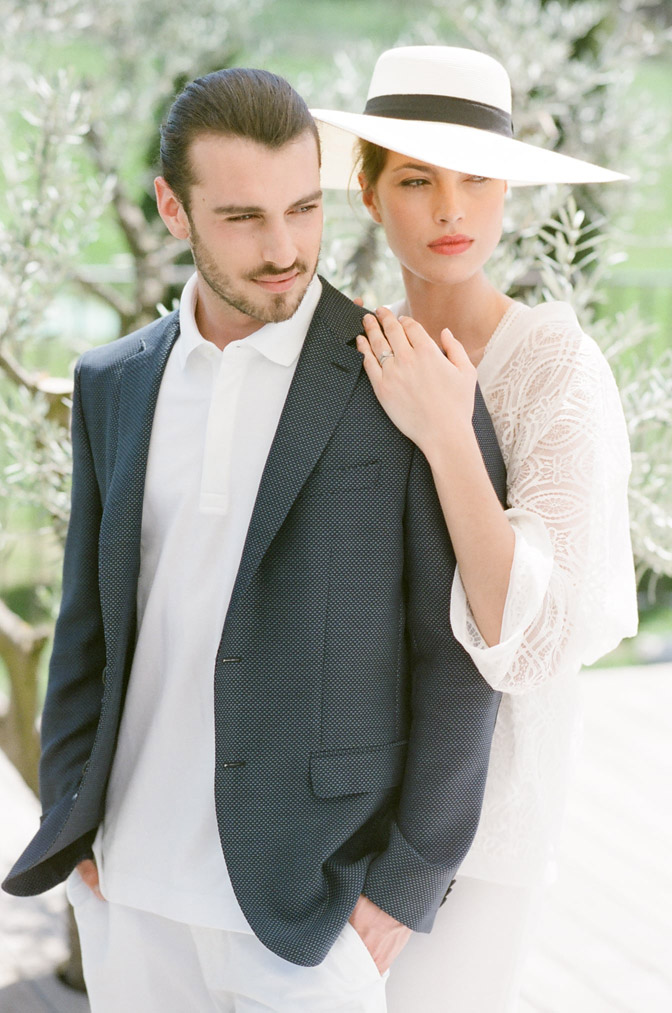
(85, 258)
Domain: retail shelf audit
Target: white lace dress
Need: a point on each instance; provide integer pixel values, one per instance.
(572, 597)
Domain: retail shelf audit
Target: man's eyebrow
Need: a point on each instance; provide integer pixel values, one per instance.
(237, 209)
(316, 195)
(240, 209)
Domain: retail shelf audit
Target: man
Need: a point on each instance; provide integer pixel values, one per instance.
(256, 592)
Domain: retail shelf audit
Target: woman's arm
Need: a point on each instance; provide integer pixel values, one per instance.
(430, 397)
(572, 594)
(571, 586)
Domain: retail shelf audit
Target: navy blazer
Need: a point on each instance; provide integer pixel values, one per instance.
(352, 730)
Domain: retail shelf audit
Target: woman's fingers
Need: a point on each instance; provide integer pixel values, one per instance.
(415, 333)
(407, 340)
(371, 365)
(384, 329)
(377, 340)
(454, 349)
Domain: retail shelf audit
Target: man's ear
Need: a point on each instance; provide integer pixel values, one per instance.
(171, 210)
(369, 198)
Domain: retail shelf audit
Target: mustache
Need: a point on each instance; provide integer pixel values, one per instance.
(269, 271)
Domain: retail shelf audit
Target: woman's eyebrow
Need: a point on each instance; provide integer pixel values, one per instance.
(415, 167)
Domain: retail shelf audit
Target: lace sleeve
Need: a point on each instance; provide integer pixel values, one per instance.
(571, 594)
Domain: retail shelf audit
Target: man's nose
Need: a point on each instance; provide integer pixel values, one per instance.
(279, 246)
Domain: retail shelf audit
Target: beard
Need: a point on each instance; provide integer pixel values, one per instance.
(281, 305)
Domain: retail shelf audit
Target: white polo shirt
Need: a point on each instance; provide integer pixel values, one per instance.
(217, 411)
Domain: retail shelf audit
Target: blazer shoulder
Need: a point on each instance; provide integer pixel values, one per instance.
(339, 313)
(115, 353)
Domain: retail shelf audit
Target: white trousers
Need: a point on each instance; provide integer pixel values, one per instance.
(472, 960)
(137, 962)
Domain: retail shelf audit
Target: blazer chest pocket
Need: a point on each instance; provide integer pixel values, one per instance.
(352, 771)
(347, 478)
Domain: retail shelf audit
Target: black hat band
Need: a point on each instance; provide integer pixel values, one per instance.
(442, 109)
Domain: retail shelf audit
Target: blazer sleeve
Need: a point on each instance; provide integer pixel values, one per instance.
(75, 688)
(453, 713)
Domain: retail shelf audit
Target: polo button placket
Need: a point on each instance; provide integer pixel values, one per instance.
(229, 378)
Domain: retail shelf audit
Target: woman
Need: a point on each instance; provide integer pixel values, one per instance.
(546, 585)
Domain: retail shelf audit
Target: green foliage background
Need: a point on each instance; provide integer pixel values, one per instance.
(327, 49)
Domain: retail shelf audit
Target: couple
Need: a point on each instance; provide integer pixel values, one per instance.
(299, 587)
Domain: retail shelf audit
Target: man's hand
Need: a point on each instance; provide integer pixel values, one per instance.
(88, 870)
(383, 936)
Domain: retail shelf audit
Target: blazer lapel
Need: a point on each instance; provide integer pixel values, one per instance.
(325, 376)
(122, 516)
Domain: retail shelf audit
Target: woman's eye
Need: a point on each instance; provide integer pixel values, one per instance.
(414, 182)
(479, 179)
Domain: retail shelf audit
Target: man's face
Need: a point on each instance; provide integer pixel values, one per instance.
(255, 225)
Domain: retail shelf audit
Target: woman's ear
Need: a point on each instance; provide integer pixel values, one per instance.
(369, 198)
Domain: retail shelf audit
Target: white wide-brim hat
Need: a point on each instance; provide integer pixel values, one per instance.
(449, 107)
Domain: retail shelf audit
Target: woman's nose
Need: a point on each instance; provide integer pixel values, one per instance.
(448, 207)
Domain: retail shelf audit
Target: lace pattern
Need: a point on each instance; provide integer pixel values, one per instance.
(571, 597)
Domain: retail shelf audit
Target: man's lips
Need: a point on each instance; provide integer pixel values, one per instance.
(448, 245)
(277, 283)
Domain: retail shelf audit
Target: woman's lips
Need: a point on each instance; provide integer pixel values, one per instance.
(450, 245)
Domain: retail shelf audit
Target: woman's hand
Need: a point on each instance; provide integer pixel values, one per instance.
(428, 395)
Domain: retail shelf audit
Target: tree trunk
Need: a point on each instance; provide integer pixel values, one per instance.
(21, 647)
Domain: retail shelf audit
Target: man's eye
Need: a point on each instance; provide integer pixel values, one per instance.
(304, 208)
(241, 218)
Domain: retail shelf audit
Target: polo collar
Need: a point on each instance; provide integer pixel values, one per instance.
(280, 343)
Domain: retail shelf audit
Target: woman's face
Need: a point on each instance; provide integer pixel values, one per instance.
(441, 225)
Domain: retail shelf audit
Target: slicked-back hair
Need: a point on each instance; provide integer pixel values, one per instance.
(237, 102)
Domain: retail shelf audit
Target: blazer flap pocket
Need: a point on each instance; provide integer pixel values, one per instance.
(350, 771)
(332, 479)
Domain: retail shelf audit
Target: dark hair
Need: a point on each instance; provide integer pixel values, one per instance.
(371, 159)
(239, 102)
